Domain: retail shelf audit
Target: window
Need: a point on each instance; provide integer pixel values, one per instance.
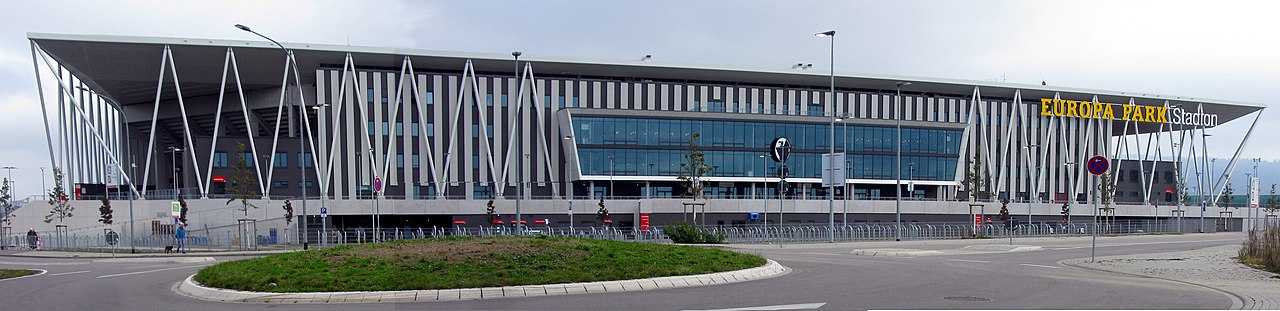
(279, 184)
(504, 100)
(1135, 176)
(413, 129)
(1168, 177)
(431, 98)
(399, 129)
(306, 160)
(483, 192)
(816, 110)
(431, 129)
(575, 102)
(488, 129)
(310, 184)
(561, 101)
(416, 161)
(399, 160)
(488, 99)
(281, 159)
(475, 161)
(697, 105)
(475, 131)
(715, 106)
(248, 158)
(220, 159)
(369, 95)
(371, 129)
(386, 128)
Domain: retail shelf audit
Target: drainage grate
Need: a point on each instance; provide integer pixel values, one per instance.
(966, 298)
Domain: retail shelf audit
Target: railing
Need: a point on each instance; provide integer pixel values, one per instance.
(232, 237)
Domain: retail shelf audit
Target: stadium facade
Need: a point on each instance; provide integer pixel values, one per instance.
(445, 132)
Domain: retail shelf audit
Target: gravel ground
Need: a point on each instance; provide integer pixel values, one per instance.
(1215, 267)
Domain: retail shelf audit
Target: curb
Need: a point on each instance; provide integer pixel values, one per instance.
(771, 269)
(72, 255)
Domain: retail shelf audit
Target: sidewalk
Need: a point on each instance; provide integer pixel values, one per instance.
(1215, 267)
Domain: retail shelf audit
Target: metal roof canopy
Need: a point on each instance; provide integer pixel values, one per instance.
(125, 68)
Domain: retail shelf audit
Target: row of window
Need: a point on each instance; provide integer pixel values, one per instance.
(413, 129)
(546, 103)
(751, 134)
(1135, 176)
(220, 159)
(650, 162)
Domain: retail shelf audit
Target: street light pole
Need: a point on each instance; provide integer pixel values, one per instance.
(1035, 182)
(302, 168)
(173, 155)
(897, 185)
(520, 162)
(831, 160)
(844, 150)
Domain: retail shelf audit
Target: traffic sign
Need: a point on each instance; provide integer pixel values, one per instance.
(113, 238)
(1098, 165)
(377, 184)
(324, 212)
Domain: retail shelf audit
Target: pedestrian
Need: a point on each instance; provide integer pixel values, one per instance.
(31, 238)
(181, 235)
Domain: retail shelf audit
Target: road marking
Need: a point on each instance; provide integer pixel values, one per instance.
(966, 260)
(42, 263)
(800, 306)
(1040, 266)
(149, 271)
(42, 272)
(67, 273)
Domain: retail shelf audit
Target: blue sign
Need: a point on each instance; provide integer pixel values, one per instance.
(1098, 165)
(755, 216)
(324, 211)
(570, 206)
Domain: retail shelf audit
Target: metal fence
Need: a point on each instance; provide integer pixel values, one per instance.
(232, 237)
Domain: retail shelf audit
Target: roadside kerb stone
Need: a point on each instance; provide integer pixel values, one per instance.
(771, 269)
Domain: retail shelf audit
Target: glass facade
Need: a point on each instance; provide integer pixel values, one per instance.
(656, 147)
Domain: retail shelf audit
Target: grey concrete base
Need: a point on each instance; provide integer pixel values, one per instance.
(771, 269)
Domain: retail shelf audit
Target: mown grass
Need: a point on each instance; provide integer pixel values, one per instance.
(468, 263)
(1262, 249)
(12, 273)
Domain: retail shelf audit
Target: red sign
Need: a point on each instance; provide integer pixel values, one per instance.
(1098, 165)
(219, 178)
(644, 222)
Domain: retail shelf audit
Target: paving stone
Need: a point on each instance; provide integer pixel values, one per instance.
(450, 294)
(469, 294)
(576, 288)
(556, 289)
(595, 287)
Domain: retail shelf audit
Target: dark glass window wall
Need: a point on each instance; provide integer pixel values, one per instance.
(655, 147)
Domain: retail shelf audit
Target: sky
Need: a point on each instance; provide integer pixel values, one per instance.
(1205, 49)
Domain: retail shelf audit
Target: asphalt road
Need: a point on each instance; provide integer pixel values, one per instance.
(825, 277)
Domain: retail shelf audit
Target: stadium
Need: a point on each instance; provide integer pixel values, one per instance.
(405, 138)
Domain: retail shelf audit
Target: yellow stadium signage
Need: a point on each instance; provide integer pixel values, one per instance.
(1124, 112)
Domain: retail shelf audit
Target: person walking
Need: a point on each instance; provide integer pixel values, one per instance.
(32, 238)
(181, 235)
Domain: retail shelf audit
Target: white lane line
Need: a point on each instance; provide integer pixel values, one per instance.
(1040, 266)
(42, 272)
(149, 271)
(966, 260)
(68, 273)
(799, 306)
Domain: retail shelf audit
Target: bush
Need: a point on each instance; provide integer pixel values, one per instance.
(1262, 249)
(689, 234)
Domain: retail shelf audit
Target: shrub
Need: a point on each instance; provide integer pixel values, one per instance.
(690, 234)
(1262, 249)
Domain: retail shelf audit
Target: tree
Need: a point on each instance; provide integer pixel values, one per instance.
(1107, 192)
(1271, 201)
(6, 204)
(288, 213)
(603, 213)
(974, 181)
(243, 183)
(1226, 196)
(489, 213)
(182, 212)
(694, 167)
(61, 205)
(105, 210)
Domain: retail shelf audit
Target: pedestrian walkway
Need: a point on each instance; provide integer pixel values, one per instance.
(124, 253)
(770, 269)
(1214, 267)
